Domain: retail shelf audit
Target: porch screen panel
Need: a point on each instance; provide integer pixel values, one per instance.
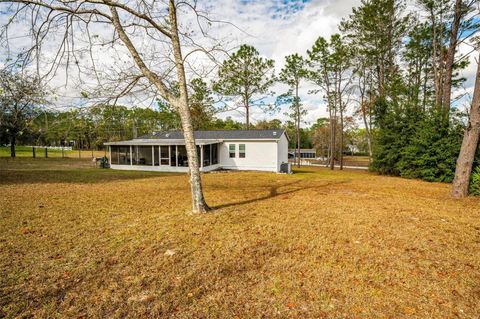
(207, 160)
(182, 156)
(120, 155)
(142, 155)
(114, 154)
(164, 158)
(214, 154)
(173, 155)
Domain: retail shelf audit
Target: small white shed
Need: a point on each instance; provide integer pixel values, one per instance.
(262, 150)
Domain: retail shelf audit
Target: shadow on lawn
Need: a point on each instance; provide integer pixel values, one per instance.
(73, 176)
(274, 192)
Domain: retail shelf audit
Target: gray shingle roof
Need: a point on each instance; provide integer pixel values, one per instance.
(219, 135)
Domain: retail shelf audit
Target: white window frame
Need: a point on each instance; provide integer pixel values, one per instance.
(244, 151)
(234, 151)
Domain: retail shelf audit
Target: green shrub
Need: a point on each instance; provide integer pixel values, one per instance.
(475, 182)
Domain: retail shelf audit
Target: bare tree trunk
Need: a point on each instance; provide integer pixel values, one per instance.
(368, 133)
(436, 80)
(298, 145)
(341, 135)
(469, 145)
(363, 108)
(13, 140)
(447, 84)
(441, 64)
(297, 102)
(333, 138)
(198, 200)
(247, 116)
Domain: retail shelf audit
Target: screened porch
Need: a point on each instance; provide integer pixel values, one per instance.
(162, 156)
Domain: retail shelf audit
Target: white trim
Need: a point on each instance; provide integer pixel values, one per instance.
(182, 141)
(167, 169)
(148, 142)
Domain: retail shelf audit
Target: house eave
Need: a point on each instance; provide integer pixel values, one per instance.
(150, 142)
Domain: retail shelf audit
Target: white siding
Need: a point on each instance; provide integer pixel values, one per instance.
(259, 155)
(282, 150)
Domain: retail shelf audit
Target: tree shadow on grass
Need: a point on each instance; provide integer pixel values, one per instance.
(275, 191)
(74, 176)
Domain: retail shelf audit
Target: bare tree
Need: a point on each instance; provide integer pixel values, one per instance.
(469, 145)
(331, 69)
(20, 97)
(365, 102)
(123, 48)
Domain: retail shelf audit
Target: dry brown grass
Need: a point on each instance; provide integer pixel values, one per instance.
(78, 242)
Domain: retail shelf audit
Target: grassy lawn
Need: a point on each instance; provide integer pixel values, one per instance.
(78, 242)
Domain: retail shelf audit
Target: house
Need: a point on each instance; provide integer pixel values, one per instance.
(304, 153)
(262, 150)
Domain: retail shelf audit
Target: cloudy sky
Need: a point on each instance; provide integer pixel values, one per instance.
(275, 27)
(278, 28)
(281, 27)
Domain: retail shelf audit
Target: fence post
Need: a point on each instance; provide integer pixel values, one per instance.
(79, 155)
(33, 152)
(63, 152)
(46, 152)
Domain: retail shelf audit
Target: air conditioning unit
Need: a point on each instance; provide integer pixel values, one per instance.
(286, 168)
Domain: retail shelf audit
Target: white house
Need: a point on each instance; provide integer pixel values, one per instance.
(262, 150)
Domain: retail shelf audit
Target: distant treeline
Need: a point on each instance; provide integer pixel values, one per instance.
(90, 127)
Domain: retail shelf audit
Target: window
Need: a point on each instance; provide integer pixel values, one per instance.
(231, 150)
(241, 150)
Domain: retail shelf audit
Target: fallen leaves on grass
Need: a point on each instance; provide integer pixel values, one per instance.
(315, 244)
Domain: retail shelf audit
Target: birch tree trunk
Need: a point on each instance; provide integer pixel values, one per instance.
(469, 145)
(198, 201)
